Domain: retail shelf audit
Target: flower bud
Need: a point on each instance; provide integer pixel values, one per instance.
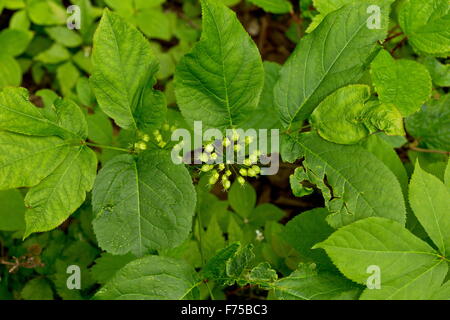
(206, 168)
(226, 184)
(243, 172)
(221, 166)
(140, 146)
(209, 148)
(256, 169)
(228, 173)
(203, 157)
(248, 162)
(251, 172)
(226, 142)
(241, 180)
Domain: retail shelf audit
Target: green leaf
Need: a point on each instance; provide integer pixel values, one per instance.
(407, 93)
(151, 278)
(46, 12)
(236, 265)
(37, 289)
(10, 71)
(19, 20)
(440, 73)
(262, 274)
(215, 268)
(18, 114)
(124, 90)
(431, 125)
(53, 55)
(242, 198)
(334, 55)
(12, 211)
(427, 25)
(430, 200)
(307, 229)
(277, 7)
(221, 80)
(67, 75)
(443, 293)
(142, 204)
(265, 212)
(306, 284)
(347, 116)
(14, 42)
(356, 189)
(100, 128)
(64, 36)
(25, 161)
(154, 23)
(377, 242)
(384, 151)
(420, 284)
(447, 175)
(52, 201)
(212, 240)
(107, 266)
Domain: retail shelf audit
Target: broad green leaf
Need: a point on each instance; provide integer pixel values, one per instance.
(440, 73)
(443, 293)
(18, 114)
(384, 151)
(12, 211)
(25, 161)
(107, 266)
(188, 251)
(53, 55)
(306, 284)
(67, 75)
(100, 128)
(154, 23)
(431, 125)
(265, 212)
(19, 20)
(265, 116)
(325, 7)
(307, 229)
(142, 204)
(347, 116)
(430, 201)
(52, 201)
(447, 175)
(37, 289)
(358, 184)
(212, 240)
(427, 25)
(46, 12)
(10, 72)
(151, 278)
(420, 284)
(124, 90)
(64, 36)
(242, 198)
(334, 55)
(14, 42)
(404, 83)
(277, 7)
(377, 242)
(220, 80)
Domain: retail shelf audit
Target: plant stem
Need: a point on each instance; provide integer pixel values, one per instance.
(107, 147)
(429, 150)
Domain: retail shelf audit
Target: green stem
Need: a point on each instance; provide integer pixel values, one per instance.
(107, 147)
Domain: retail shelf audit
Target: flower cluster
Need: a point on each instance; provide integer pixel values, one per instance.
(159, 138)
(221, 169)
